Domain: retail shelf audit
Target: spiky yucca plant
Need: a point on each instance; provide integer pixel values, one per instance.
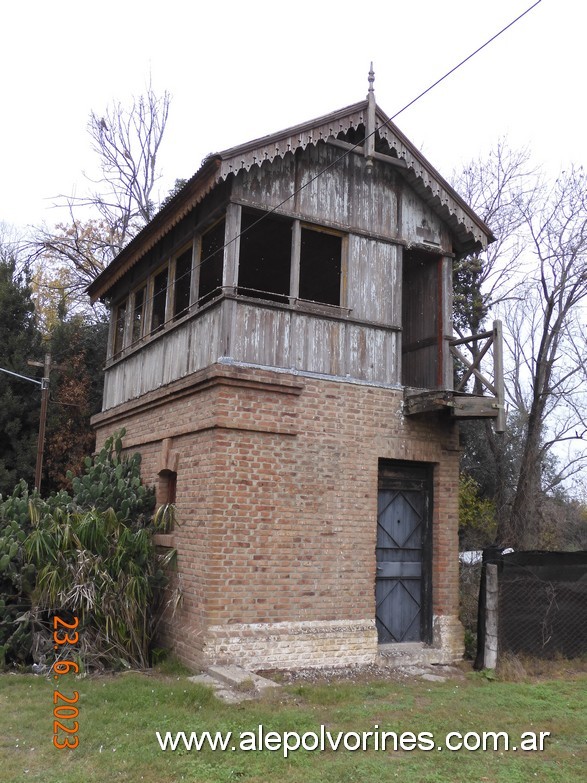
(87, 554)
(96, 567)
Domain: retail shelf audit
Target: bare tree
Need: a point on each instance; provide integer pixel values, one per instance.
(494, 186)
(535, 277)
(547, 346)
(121, 200)
(127, 142)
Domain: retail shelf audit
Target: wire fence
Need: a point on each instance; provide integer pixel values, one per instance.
(533, 604)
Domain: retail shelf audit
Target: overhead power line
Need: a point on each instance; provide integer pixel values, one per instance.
(351, 149)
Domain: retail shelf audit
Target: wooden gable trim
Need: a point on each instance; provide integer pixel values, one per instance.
(470, 231)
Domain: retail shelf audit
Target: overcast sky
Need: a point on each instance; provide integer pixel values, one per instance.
(240, 70)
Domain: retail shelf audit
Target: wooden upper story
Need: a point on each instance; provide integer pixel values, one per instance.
(326, 248)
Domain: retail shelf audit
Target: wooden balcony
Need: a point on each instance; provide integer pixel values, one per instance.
(487, 398)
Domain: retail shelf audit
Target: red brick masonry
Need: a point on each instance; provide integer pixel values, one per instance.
(277, 509)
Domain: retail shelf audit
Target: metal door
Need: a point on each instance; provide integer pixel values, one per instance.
(402, 586)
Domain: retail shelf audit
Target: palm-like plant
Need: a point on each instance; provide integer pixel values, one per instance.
(95, 560)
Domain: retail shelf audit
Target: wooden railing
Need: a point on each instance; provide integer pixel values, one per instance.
(478, 350)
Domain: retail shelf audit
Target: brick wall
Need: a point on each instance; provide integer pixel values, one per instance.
(277, 507)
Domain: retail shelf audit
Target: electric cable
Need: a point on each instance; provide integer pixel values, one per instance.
(331, 165)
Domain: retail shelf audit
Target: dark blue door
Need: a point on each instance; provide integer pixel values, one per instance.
(402, 587)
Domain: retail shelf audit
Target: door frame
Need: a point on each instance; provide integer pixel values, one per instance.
(394, 474)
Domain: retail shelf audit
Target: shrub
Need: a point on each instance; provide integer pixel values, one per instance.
(88, 554)
(17, 577)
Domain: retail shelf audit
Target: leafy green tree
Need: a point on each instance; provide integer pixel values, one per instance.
(77, 347)
(17, 578)
(477, 523)
(20, 400)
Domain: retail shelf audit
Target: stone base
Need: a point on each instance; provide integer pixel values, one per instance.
(447, 646)
(299, 645)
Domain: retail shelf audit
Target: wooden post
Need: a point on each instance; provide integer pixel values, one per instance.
(500, 422)
(491, 617)
(43, 420)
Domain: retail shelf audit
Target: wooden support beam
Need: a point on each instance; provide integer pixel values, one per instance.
(472, 367)
(359, 150)
(460, 406)
(500, 423)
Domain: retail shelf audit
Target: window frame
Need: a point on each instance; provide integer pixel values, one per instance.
(228, 281)
(117, 351)
(186, 248)
(293, 297)
(211, 296)
(144, 286)
(152, 277)
(344, 241)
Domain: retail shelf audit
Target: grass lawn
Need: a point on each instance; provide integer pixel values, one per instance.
(119, 715)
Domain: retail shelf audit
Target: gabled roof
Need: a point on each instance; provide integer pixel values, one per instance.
(468, 230)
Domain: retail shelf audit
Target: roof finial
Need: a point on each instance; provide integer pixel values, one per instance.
(369, 148)
(371, 79)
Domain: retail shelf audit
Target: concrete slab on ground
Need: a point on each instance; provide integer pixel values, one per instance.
(234, 684)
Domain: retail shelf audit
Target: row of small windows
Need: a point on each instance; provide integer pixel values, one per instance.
(270, 247)
(169, 291)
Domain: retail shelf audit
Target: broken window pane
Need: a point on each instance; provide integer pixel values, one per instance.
(183, 280)
(211, 263)
(159, 300)
(320, 266)
(265, 256)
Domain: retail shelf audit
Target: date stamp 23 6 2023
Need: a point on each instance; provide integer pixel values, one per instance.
(64, 710)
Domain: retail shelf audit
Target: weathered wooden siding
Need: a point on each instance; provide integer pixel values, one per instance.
(184, 349)
(274, 337)
(374, 280)
(418, 223)
(263, 335)
(379, 214)
(341, 196)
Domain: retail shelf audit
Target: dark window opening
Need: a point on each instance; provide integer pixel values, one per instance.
(211, 263)
(166, 487)
(320, 267)
(138, 314)
(265, 257)
(421, 341)
(119, 328)
(183, 279)
(159, 300)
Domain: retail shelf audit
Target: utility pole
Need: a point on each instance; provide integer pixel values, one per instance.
(46, 365)
(44, 384)
(43, 420)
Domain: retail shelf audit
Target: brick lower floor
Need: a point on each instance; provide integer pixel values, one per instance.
(277, 479)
